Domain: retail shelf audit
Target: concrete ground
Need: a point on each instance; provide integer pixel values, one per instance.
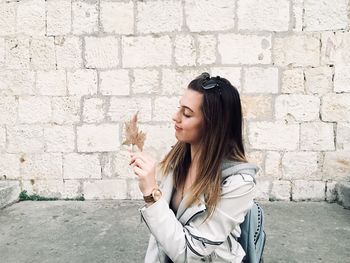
(110, 231)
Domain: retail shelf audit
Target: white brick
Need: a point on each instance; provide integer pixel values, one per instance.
(98, 138)
(232, 74)
(31, 17)
(342, 79)
(248, 49)
(335, 48)
(59, 138)
(297, 50)
(258, 158)
(41, 166)
(263, 189)
(206, 49)
(82, 82)
(293, 81)
(8, 113)
(335, 107)
(65, 110)
(175, 81)
(58, 19)
(185, 50)
(300, 165)
(53, 188)
(117, 17)
(34, 109)
(316, 136)
(25, 138)
(204, 15)
(115, 82)
(159, 139)
(146, 81)
(308, 190)
(328, 48)
(336, 166)
(122, 109)
(342, 48)
(325, 15)
(17, 53)
(297, 15)
(116, 164)
(105, 189)
(2, 52)
(94, 109)
(256, 107)
(343, 136)
(263, 15)
(318, 80)
(101, 52)
(43, 53)
(68, 52)
(331, 192)
(9, 166)
(17, 82)
(159, 16)
(134, 190)
(298, 108)
(85, 17)
(7, 18)
(51, 83)
(286, 137)
(2, 139)
(280, 191)
(81, 166)
(164, 108)
(146, 51)
(273, 165)
(260, 80)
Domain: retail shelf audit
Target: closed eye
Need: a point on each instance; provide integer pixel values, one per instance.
(183, 112)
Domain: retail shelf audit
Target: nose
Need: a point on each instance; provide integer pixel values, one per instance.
(175, 117)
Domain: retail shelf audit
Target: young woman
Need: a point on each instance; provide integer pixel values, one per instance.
(195, 212)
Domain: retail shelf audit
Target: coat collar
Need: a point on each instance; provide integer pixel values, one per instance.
(184, 214)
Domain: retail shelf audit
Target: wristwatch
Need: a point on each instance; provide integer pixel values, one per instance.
(154, 196)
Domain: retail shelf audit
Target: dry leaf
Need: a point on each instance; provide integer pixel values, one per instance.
(133, 135)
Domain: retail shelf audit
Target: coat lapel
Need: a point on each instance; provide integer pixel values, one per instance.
(167, 187)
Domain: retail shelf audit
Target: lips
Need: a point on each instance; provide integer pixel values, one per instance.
(177, 128)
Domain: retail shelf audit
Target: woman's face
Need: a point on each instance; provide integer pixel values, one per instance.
(189, 117)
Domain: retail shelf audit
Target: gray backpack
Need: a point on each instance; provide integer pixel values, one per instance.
(253, 235)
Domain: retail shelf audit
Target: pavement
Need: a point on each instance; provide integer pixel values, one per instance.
(111, 231)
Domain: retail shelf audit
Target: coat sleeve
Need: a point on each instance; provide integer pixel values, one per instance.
(199, 238)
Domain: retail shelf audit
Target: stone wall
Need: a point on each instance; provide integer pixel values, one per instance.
(71, 72)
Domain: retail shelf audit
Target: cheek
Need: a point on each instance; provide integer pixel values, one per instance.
(194, 127)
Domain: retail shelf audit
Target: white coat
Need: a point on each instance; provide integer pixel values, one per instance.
(185, 238)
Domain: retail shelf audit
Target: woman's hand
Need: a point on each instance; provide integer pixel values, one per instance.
(144, 167)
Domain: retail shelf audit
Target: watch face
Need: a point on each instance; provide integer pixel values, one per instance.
(157, 194)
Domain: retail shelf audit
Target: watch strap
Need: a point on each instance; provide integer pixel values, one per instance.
(148, 198)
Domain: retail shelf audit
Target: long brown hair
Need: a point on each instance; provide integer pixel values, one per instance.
(221, 137)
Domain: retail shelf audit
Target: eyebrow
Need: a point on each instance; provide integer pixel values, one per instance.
(185, 106)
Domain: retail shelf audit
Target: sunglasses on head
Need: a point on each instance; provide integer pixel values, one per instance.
(209, 83)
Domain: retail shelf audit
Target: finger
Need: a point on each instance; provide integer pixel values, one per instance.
(139, 155)
(138, 171)
(138, 162)
(134, 156)
(132, 160)
(146, 157)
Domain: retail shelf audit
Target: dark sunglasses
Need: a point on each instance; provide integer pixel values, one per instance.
(209, 83)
